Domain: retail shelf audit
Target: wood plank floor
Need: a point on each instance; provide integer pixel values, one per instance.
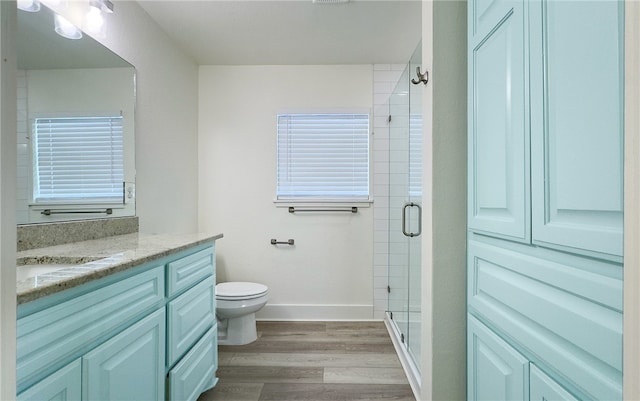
(312, 361)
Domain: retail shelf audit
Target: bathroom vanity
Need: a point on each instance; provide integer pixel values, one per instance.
(133, 319)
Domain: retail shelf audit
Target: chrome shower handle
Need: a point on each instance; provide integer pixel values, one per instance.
(404, 219)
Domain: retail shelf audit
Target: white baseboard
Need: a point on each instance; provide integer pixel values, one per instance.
(315, 312)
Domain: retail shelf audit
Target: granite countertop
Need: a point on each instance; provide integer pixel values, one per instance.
(98, 258)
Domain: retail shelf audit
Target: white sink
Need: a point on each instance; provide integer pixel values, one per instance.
(26, 271)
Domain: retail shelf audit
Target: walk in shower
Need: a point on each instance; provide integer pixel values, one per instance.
(405, 214)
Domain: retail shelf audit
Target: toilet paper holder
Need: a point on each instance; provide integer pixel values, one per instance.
(274, 241)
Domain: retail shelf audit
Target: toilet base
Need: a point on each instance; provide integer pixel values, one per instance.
(239, 330)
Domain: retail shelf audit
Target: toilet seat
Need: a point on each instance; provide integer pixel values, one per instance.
(231, 291)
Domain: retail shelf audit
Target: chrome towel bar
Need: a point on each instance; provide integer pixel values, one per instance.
(287, 242)
(49, 212)
(353, 209)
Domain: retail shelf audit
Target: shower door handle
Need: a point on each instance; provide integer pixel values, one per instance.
(404, 219)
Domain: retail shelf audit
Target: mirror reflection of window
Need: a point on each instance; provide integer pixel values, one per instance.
(61, 78)
(78, 160)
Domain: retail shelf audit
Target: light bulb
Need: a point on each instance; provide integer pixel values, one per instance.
(66, 29)
(94, 19)
(29, 5)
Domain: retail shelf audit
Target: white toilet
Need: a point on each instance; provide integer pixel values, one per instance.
(236, 307)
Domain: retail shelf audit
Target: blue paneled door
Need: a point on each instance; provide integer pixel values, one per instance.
(577, 90)
(498, 120)
(130, 366)
(63, 385)
(496, 370)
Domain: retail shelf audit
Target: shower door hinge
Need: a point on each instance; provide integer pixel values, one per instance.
(391, 315)
(388, 289)
(402, 338)
(389, 119)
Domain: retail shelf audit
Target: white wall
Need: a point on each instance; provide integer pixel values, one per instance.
(166, 119)
(8, 145)
(328, 273)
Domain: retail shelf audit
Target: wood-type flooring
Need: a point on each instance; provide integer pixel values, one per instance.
(312, 361)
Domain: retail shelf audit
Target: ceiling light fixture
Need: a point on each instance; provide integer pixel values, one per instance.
(94, 17)
(29, 5)
(65, 28)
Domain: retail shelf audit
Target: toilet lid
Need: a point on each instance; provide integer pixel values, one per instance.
(240, 290)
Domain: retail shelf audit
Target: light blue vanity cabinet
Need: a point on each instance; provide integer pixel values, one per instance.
(544, 388)
(498, 123)
(545, 218)
(129, 366)
(192, 354)
(577, 114)
(126, 336)
(499, 371)
(63, 385)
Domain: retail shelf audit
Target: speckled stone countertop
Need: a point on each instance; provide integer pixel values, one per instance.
(99, 258)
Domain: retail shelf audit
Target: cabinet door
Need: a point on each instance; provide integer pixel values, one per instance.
(544, 388)
(63, 385)
(577, 89)
(498, 147)
(496, 371)
(130, 366)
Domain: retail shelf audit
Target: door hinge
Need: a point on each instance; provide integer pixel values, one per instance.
(389, 119)
(388, 290)
(402, 338)
(391, 315)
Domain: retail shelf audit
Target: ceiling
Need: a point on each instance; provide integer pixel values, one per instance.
(290, 32)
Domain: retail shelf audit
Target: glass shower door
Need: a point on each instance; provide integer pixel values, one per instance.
(405, 209)
(414, 217)
(398, 289)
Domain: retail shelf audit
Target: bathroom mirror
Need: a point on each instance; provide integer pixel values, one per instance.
(62, 84)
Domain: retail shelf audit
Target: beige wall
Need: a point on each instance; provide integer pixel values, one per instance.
(444, 184)
(631, 349)
(328, 273)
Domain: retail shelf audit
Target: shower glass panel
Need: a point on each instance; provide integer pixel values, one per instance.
(405, 202)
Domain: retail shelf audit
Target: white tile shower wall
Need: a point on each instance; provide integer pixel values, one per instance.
(385, 77)
(22, 186)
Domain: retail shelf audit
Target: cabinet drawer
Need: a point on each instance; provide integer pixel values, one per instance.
(184, 272)
(545, 388)
(195, 373)
(555, 309)
(63, 385)
(189, 316)
(49, 339)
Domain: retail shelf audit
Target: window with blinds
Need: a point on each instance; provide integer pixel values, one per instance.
(323, 157)
(78, 160)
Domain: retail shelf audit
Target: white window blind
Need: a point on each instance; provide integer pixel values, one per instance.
(415, 155)
(78, 160)
(323, 156)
